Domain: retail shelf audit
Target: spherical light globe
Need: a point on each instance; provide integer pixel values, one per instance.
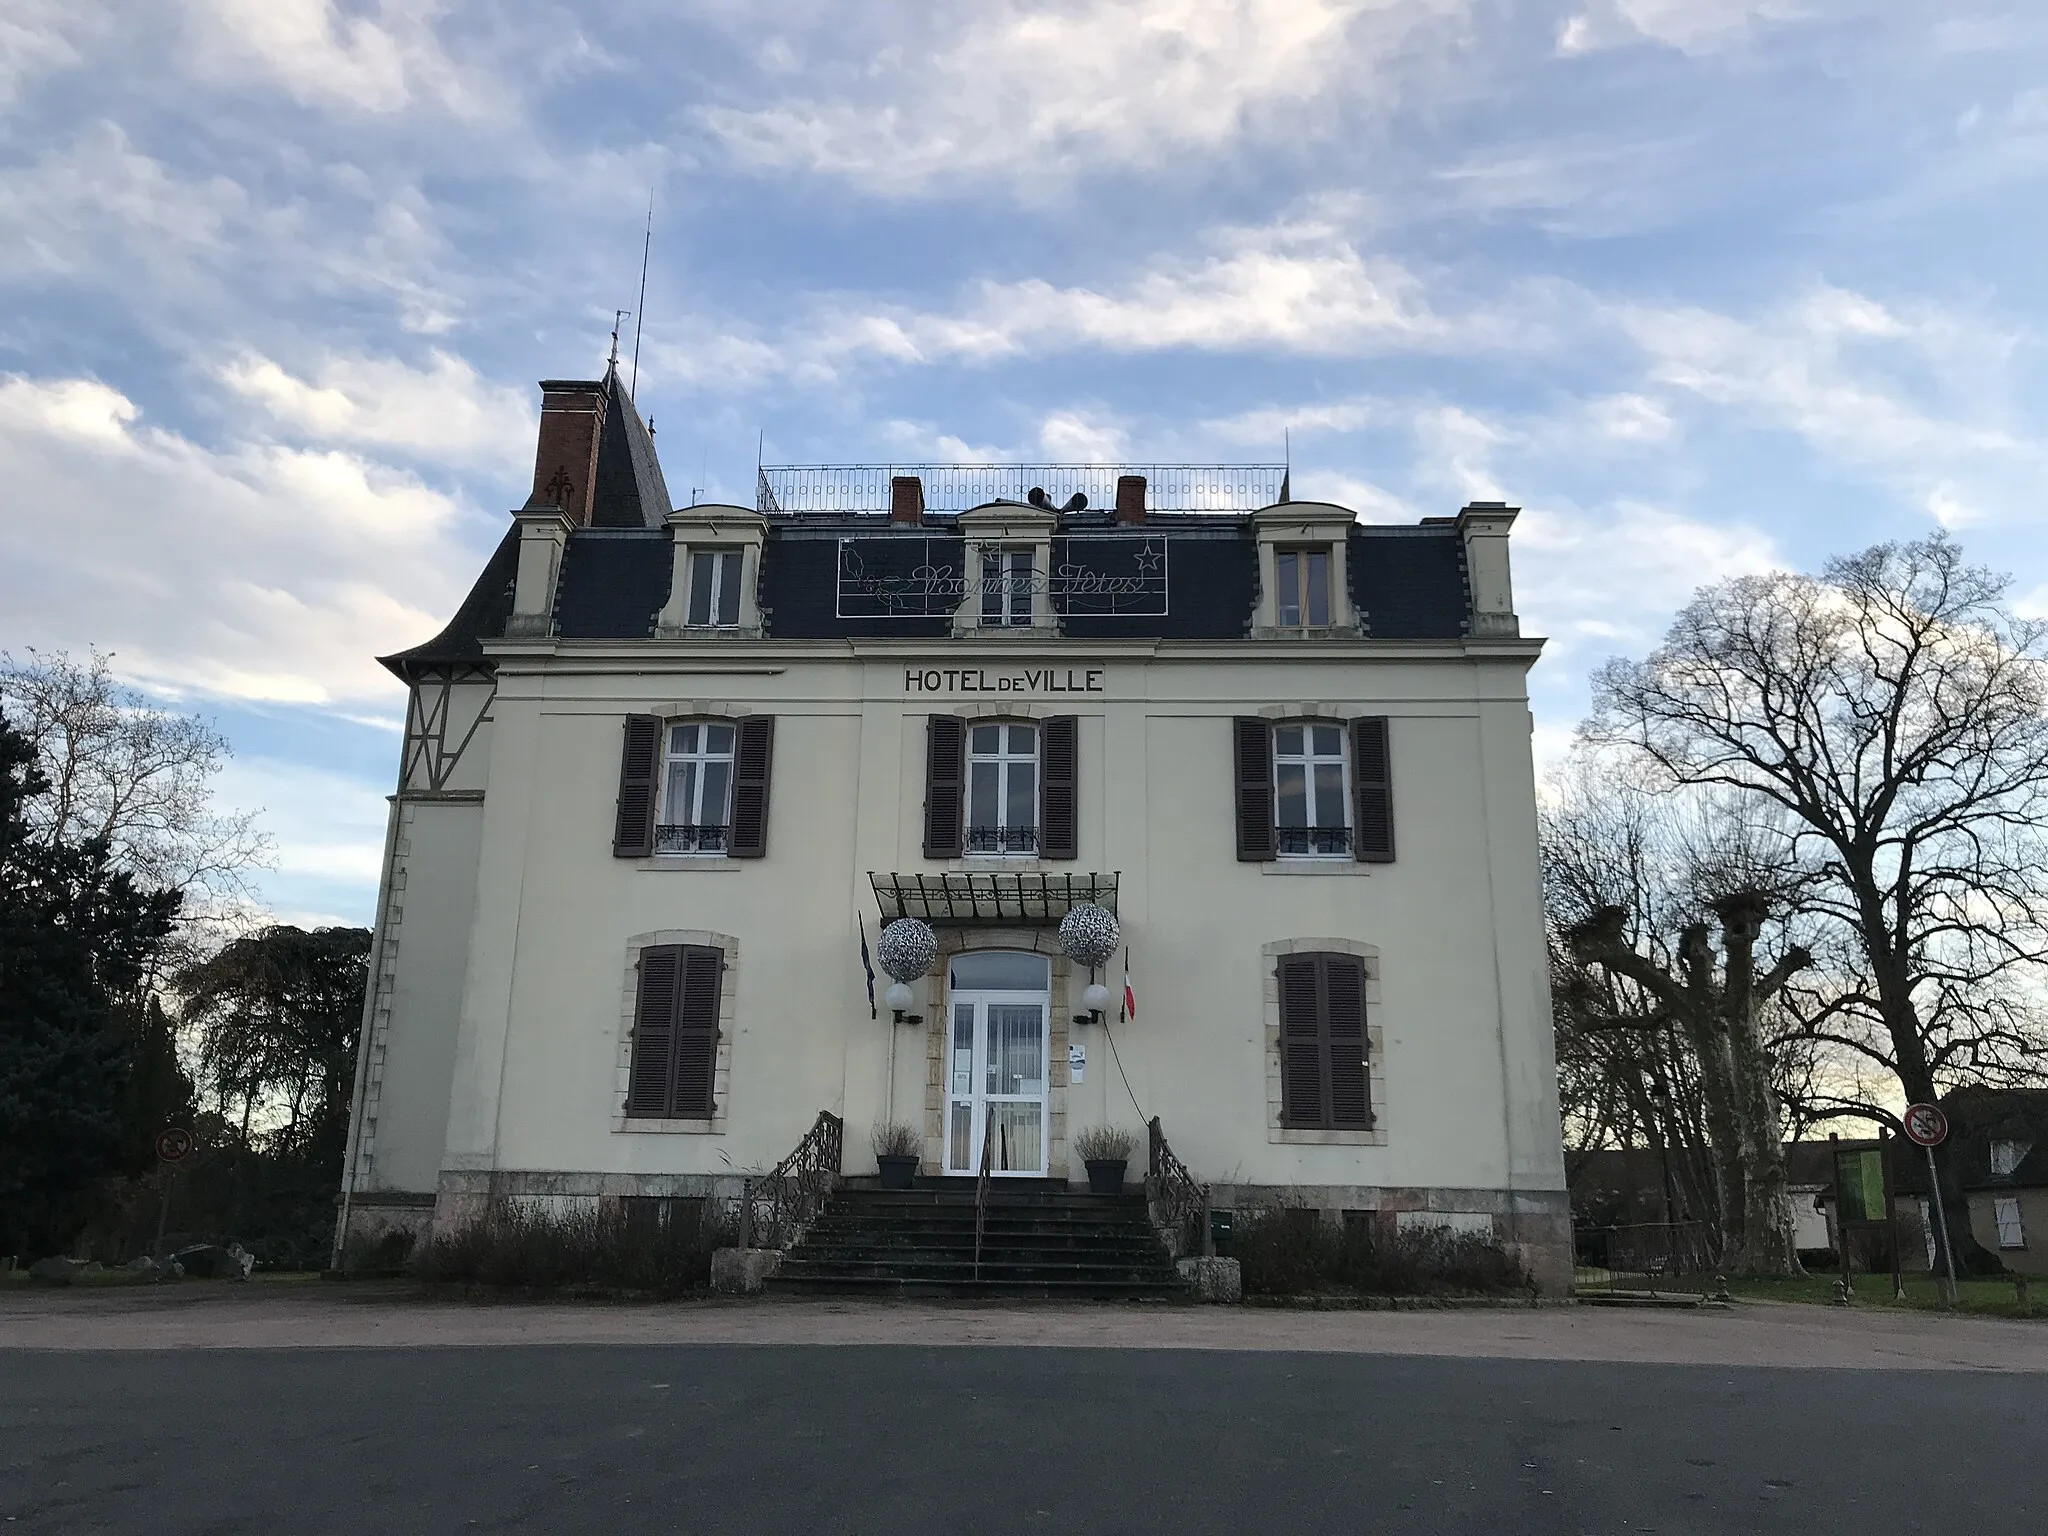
(1089, 934)
(908, 948)
(1095, 997)
(900, 997)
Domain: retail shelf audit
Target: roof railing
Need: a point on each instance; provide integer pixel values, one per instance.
(856, 488)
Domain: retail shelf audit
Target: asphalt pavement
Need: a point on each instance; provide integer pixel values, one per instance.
(904, 1439)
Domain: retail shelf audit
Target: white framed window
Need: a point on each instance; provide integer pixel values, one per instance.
(1311, 790)
(696, 788)
(1002, 788)
(2008, 1155)
(1006, 588)
(1303, 578)
(2012, 1229)
(714, 589)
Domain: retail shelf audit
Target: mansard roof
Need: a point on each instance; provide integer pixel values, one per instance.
(1201, 581)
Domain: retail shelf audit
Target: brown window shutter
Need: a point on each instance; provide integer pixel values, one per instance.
(654, 1032)
(696, 1032)
(1302, 1078)
(1344, 1026)
(639, 776)
(1372, 791)
(752, 761)
(1252, 765)
(945, 774)
(1059, 757)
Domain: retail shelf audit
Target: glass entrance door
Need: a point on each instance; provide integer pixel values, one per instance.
(996, 1082)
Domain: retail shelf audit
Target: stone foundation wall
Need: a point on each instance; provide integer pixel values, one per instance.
(463, 1197)
(1536, 1225)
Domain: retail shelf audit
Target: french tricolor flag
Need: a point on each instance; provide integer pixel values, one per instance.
(1130, 1008)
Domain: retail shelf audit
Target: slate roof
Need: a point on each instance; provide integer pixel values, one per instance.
(629, 491)
(1976, 1118)
(1406, 582)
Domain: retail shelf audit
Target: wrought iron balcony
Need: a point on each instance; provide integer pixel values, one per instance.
(1002, 839)
(1301, 841)
(682, 839)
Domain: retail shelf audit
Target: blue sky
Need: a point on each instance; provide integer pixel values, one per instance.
(1705, 286)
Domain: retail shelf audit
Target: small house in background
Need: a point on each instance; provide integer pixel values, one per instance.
(2000, 1138)
(1616, 1190)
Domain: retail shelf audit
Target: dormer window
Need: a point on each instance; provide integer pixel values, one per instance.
(1303, 578)
(1002, 789)
(714, 589)
(1006, 588)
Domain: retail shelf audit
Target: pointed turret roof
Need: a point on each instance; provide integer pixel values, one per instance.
(629, 490)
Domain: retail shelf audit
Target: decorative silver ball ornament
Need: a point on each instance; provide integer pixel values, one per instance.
(908, 948)
(1088, 934)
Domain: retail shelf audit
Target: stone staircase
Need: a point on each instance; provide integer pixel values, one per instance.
(1040, 1239)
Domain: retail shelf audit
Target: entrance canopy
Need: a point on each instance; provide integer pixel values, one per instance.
(1025, 899)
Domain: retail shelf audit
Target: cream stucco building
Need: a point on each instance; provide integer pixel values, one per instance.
(667, 772)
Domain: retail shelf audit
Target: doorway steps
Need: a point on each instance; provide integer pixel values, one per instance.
(1040, 1238)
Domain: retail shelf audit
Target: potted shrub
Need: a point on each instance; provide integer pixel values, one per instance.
(898, 1149)
(1107, 1152)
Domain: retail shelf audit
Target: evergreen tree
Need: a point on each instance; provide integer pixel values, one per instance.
(77, 938)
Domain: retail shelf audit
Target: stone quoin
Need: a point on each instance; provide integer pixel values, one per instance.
(667, 773)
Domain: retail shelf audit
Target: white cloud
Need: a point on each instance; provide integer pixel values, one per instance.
(1373, 503)
(1277, 423)
(1299, 287)
(37, 40)
(254, 572)
(1913, 397)
(443, 412)
(326, 826)
(1610, 579)
(97, 208)
(942, 92)
(1070, 438)
(1690, 26)
(138, 232)
(320, 54)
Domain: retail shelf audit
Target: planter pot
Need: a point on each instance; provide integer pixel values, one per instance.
(898, 1171)
(1106, 1175)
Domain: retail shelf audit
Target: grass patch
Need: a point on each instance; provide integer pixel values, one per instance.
(1988, 1296)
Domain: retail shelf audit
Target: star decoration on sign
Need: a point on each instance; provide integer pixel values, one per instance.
(1149, 558)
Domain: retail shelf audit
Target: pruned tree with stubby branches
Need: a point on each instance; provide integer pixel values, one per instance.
(1665, 960)
(1892, 714)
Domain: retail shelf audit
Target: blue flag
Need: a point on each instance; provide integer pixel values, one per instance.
(867, 965)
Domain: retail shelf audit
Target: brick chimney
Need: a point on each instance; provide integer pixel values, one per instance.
(1130, 498)
(906, 499)
(565, 458)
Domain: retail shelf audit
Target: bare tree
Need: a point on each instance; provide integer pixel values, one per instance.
(1639, 887)
(138, 776)
(1892, 712)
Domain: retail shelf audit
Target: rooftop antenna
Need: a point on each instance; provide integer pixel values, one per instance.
(646, 246)
(1287, 464)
